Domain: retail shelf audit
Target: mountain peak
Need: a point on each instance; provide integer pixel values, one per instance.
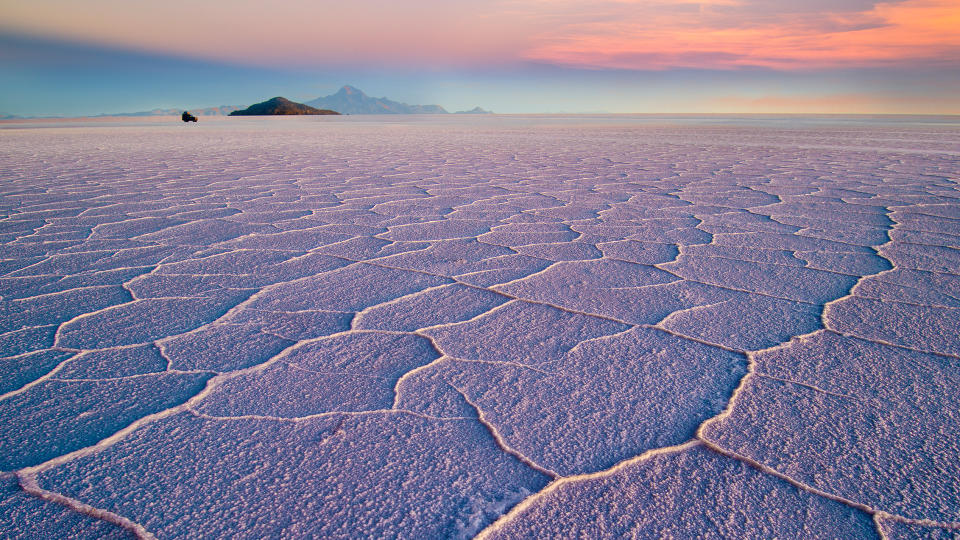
(475, 110)
(279, 102)
(351, 90)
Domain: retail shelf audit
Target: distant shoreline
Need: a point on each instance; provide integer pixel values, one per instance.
(772, 120)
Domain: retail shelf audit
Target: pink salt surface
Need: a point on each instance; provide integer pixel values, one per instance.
(504, 327)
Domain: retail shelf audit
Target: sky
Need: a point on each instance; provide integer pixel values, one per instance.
(66, 57)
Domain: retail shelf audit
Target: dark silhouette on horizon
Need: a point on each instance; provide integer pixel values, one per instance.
(280, 106)
(187, 117)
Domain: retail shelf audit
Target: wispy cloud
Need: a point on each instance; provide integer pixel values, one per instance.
(623, 34)
(293, 32)
(780, 35)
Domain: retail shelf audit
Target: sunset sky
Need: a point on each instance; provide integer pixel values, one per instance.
(63, 57)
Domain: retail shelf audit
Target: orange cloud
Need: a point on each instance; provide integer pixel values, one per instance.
(630, 34)
(915, 30)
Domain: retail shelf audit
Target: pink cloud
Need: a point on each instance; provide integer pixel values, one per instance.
(729, 36)
(628, 34)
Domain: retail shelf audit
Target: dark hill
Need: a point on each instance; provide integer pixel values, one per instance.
(280, 106)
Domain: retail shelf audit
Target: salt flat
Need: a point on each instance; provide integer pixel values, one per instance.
(511, 327)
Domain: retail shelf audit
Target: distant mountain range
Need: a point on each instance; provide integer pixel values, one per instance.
(350, 100)
(280, 106)
(347, 100)
(475, 110)
(222, 110)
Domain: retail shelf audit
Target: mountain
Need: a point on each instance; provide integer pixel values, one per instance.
(475, 110)
(350, 100)
(279, 106)
(222, 110)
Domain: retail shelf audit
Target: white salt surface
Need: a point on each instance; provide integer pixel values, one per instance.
(505, 327)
